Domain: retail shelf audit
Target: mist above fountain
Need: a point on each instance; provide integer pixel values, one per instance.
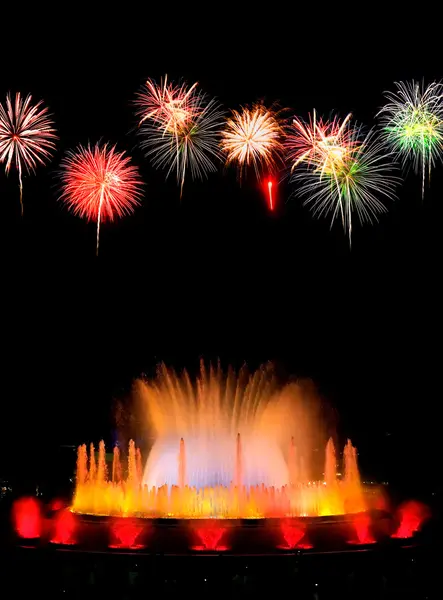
(210, 413)
(225, 446)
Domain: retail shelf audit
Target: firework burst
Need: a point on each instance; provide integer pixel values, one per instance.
(324, 145)
(27, 136)
(412, 124)
(353, 182)
(99, 184)
(252, 137)
(180, 128)
(169, 106)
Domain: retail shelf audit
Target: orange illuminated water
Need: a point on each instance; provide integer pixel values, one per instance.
(225, 447)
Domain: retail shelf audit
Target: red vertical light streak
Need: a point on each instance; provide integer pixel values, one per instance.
(271, 200)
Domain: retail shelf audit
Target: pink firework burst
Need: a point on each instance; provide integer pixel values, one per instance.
(27, 135)
(321, 144)
(99, 184)
(168, 105)
(180, 128)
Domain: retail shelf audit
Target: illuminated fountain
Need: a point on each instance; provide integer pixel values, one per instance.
(225, 447)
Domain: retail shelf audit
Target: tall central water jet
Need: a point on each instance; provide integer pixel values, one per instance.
(238, 463)
(182, 464)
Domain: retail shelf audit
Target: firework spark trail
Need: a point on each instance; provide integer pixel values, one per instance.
(100, 204)
(182, 133)
(271, 203)
(27, 136)
(99, 184)
(253, 137)
(412, 124)
(354, 184)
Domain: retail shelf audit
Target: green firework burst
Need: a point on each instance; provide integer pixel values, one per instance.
(357, 184)
(412, 123)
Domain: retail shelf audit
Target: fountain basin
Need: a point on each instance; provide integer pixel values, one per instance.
(94, 533)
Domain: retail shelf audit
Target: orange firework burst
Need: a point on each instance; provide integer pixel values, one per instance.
(324, 145)
(27, 136)
(253, 137)
(99, 184)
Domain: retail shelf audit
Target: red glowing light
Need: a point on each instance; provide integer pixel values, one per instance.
(271, 199)
(209, 538)
(293, 534)
(411, 516)
(27, 518)
(362, 524)
(124, 534)
(57, 504)
(65, 525)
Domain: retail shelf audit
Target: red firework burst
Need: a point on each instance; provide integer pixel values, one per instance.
(99, 184)
(27, 135)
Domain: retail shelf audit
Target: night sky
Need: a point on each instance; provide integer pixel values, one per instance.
(215, 275)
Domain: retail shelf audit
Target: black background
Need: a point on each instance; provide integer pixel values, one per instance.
(216, 275)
